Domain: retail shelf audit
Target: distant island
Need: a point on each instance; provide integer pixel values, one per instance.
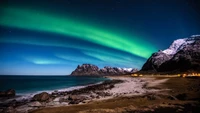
(89, 69)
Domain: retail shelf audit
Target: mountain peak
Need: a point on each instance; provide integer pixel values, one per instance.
(182, 56)
(180, 43)
(89, 69)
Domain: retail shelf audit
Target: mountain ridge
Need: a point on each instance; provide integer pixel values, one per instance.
(183, 55)
(90, 69)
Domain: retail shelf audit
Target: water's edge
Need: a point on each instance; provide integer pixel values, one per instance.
(23, 96)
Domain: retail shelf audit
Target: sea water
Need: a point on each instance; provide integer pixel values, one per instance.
(33, 84)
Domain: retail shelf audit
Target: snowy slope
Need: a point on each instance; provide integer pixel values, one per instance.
(179, 44)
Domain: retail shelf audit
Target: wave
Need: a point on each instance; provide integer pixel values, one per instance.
(28, 96)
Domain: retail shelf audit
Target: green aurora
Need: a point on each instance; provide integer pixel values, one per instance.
(45, 22)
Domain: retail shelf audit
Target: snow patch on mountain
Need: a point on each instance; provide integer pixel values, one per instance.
(128, 69)
(194, 36)
(175, 46)
(179, 44)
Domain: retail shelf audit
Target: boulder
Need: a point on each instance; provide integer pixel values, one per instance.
(9, 109)
(52, 103)
(152, 97)
(103, 94)
(24, 108)
(2, 93)
(56, 99)
(44, 96)
(181, 96)
(60, 99)
(10, 92)
(75, 99)
(170, 97)
(7, 93)
(74, 102)
(35, 104)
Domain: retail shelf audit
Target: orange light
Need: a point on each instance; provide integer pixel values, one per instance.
(184, 75)
(135, 75)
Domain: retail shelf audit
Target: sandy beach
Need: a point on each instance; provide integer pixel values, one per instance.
(118, 95)
(142, 95)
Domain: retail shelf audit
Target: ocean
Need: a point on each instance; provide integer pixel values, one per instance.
(35, 84)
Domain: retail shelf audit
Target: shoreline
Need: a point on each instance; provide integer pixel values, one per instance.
(118, 88)
(169, 94)
(27, 95)
(20, 101)
(31, 94)
(64, 87)
(115, 87)
(23, 95)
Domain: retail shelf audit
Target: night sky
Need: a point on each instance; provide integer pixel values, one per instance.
(52, 37)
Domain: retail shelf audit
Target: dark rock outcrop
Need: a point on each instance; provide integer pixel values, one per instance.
(44, 96)
(154, 62)
(9, 109)
(182, 56)
(8, 93)
(86, 69)
(89, 69)
(75, 99)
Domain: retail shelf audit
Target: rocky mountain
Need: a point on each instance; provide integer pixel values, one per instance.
(183, 55)
(89, 69)
(86, 69)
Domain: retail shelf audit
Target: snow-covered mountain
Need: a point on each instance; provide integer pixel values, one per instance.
(182, 55)
(89, 69)
(179, 44)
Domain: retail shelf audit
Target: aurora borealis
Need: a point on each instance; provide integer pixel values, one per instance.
(64, 26)
(52, 38)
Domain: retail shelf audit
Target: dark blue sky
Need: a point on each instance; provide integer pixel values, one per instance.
(53, 37)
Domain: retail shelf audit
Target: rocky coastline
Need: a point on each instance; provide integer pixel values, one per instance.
(134, 94)
(8, 93)
(119, 89)
(108, 89)
(11, 105)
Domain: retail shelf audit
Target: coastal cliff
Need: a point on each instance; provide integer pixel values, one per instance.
(89, 69)
(182, 56)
